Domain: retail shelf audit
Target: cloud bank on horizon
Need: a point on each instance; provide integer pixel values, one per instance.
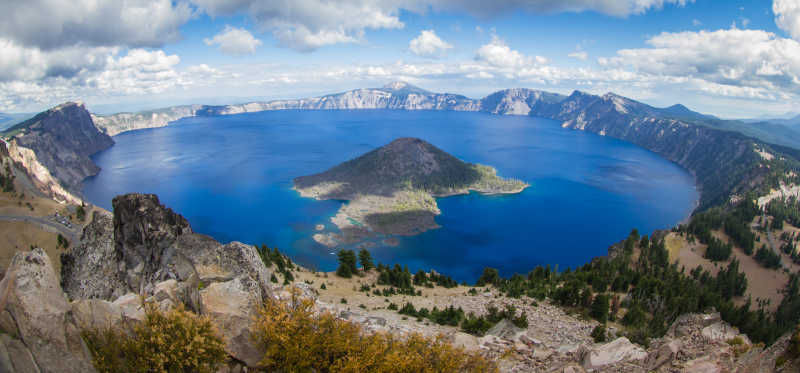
(729, 58)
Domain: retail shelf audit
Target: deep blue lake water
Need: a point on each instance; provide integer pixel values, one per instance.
(231, 178)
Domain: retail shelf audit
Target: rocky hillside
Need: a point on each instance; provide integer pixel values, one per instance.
(104, 282)
(60, 140)
(723, 163)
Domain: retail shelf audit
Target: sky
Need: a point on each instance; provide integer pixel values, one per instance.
(730, 58)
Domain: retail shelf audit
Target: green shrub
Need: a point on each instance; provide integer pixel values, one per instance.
(599, 333)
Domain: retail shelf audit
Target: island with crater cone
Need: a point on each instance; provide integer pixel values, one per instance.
(392, 190)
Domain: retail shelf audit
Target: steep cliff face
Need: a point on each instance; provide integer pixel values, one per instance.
(397, 95)
(723, 163)
(61, 140)
(519, 101)
(122, 122)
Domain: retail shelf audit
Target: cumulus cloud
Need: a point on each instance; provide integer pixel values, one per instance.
(306, 25)
(769, 63)
(52, 24)
(234, 41)
(50, 77)
(428, 44)
(787, 16)
(498, 54)
(579, 55)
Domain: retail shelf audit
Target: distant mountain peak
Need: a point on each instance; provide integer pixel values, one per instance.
(401, 86)
(398, 84)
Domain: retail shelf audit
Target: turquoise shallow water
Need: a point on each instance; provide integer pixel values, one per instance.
(230, 176)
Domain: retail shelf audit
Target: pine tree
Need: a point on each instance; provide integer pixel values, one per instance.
(366, 260)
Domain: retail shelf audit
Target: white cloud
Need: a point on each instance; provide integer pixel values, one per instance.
(580, 55)
(767, 63)
(620, 8)
(787, 16)
(234, 41)
(79, 73)
(51, 24)
(696, 22)
(428, 44)
(306, 25)
(498, 54)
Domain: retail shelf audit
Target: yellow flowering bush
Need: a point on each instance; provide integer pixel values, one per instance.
(165, 342)
(298, 340)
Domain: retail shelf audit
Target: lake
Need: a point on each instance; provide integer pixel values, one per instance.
(231, 177)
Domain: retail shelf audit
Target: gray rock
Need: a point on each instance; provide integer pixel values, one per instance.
(143, 231)
(619, 350)
(20, 356)
(233, 305)
(37, 304)
(5, 359)
(90, 269)
(663, 355)
(505, 329)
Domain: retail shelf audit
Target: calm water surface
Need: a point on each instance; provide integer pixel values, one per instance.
(231, 178)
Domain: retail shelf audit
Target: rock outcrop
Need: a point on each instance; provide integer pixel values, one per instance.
(41, 335)
(91, 268)
(147, 251)
(62, 139)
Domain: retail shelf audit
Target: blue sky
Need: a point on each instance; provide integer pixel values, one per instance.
(728, 58)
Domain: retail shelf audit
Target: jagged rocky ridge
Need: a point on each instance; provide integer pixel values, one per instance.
(54, 148)
(724, 163)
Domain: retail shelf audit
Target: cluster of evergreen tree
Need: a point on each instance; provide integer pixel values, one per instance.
(735, 223)
(718, 251)
(768, 258)
(7, 179)
(449, 316)
(784, 209)
(282, 262)
(789, 245)
(397, 276)
(481, 324)
(658, 292)
(433, 279)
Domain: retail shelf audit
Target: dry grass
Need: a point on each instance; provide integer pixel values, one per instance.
(16, 236)
(761, 282)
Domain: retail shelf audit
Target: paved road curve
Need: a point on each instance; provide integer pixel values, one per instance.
(45, 224)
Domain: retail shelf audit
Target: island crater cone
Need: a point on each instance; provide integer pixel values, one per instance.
(391, 189)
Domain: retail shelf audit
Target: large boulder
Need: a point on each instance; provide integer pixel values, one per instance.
(91, 269)
(619, 350)
(233, 305)
(42, 317)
